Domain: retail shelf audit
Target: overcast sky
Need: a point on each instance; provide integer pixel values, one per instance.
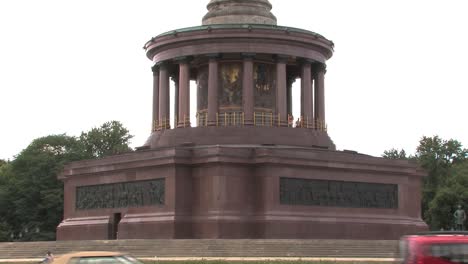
(399, 70)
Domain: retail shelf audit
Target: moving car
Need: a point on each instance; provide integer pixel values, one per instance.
(95, 257)
(435, 248)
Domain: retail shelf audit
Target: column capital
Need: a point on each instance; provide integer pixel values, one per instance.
(183, 59)
(213, 56)
(320, 67)
(248, 56)
(155, 69)
(291, 79)
(175, 79)
(281, 58)
(305, 61)
(162, 64)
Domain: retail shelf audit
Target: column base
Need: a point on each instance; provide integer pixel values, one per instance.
(182, 125)
(248, 122)
(211, 123)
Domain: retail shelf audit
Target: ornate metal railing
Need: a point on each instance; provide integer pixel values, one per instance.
(264, 119)
(185, 122)
(161, 124)
(202, 119)
(311, 124)
(230, 119)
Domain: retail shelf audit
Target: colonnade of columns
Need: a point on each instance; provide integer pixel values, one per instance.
(312, 91)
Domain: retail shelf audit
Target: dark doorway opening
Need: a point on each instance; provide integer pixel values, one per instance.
(114, 225)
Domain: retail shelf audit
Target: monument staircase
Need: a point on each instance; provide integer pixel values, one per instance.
(212, 248)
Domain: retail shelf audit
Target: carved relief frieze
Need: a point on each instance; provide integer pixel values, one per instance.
(338, 193)
(120, 195)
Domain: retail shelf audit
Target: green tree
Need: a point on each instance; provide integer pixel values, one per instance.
(31, 196)
(437, 156)
(35, 192)
(109, 139)
(395, 154)
(5, 200)
(440, 158)
(447, 197)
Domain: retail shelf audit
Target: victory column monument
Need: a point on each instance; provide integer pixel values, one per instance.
(242, 169)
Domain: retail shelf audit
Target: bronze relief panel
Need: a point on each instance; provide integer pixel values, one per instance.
(230, 84)
(120, 195)
(338, 193)
(265, 86)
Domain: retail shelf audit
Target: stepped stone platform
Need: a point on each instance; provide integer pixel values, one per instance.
(225, 248)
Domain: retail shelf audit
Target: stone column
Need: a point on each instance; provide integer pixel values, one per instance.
(155, 120)
(212, 89)
(164, 116)
(247, 89)
(302, 98)
(319, 77)
(184, 93)
(175, 79)
(306, 85)
(291, 80)
(281, 91)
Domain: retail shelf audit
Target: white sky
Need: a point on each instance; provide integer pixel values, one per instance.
(399, 70)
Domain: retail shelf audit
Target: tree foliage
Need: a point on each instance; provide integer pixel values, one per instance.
(445, 162)
(109, 139)
(437, 157)
(395, 154)
(5, 206)
(31, 196)
(35, 172)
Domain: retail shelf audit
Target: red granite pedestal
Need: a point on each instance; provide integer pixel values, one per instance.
(241, 191)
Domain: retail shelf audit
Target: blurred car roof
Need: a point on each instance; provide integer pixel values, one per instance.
(439, 236)
(65, 257)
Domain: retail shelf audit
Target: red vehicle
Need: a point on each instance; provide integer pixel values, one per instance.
(435, 248)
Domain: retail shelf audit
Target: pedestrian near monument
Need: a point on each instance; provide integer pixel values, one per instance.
(290, 121)
(48, 258)
(298, 122)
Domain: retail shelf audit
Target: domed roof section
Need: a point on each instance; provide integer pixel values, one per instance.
(239, 12)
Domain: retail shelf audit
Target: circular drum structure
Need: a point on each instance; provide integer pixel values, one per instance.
(244, 75)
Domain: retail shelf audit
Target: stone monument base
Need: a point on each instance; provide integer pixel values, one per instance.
(241, 191)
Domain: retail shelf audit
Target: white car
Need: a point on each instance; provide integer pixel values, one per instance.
(95, 257)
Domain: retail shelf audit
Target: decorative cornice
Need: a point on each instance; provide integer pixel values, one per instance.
(248, 155)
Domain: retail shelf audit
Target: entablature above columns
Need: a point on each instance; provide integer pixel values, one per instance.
(273, 40)
(293, 63)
